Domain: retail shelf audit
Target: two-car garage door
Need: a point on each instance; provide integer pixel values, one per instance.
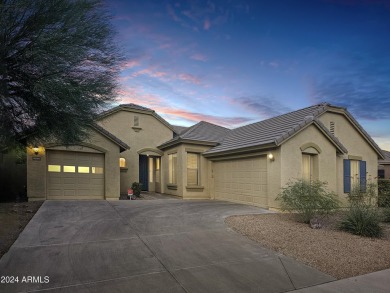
(241, 180)
(75, 175)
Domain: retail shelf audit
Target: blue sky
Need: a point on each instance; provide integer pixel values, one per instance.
(236, 62)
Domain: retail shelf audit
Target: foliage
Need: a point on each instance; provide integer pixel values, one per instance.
(58, 67)
(383, 192)
(362, 220)
(386, 215)
(136, 186)
(308, 198)
(363, 217)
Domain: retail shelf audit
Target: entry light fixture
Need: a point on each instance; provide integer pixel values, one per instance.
(271, 157)
(36, 150)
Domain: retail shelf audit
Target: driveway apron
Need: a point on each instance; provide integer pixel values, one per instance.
(146, 246)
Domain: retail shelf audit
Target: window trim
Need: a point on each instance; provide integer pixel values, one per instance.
(172, 170)
(198, 183)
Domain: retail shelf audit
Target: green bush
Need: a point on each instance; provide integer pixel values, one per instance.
(136, 186)
(386, 215)
(307, 198)
(383, 192)
(362, 220)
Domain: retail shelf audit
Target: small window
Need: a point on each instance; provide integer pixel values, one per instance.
(151, 170)
(82, 169)
(355, 174)
(69, 169)
(136, 121)
(122, 162)
(54, 168)
(172, 158)
(157, 170)
(192, 169)
(97, 170)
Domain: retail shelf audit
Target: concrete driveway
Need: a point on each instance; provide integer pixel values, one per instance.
(146, 246)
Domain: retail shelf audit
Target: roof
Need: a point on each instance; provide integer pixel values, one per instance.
(135, 108)
(274, 131)
(179, 129)
(123, 146)
(202, 133)
(386, 161)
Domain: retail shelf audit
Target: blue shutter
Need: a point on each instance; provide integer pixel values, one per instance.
(363, 176)
(347, 176)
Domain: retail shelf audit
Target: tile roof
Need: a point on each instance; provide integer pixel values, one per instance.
(201, 132)
(272, 131)
(136, 107)
(179, 129)
(387, 158)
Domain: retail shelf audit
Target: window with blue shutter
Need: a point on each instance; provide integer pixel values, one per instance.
(347, 176)
(363, 176)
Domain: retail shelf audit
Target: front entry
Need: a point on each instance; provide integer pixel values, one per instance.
(143, 172)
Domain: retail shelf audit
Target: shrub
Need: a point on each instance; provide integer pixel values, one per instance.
(362, 220)
(383, 192)
(308, 198)
(136, 186)
(386, 215)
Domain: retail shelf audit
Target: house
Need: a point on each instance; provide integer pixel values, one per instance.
(384, 166)
(249, 164)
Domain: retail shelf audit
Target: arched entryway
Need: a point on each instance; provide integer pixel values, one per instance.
(150, 169)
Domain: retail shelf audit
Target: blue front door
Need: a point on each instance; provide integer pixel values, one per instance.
(143, 172)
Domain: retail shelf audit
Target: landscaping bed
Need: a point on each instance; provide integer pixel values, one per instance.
(331, 251)
(14, 216)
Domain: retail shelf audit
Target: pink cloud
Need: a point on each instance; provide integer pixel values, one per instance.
(129, 64)
(150, 72)
(206, 24)
(199, 57)
(189, 78)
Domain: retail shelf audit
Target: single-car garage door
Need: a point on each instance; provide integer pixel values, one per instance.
(74, 175)
(241, 180)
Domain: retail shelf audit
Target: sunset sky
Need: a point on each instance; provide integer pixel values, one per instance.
(234, 62)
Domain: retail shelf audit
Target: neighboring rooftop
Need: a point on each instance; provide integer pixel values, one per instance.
(386, 161)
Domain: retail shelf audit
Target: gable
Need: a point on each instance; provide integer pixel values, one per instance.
(349, 134)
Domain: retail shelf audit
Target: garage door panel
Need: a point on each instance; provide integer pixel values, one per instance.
(241, 180)
(73, 181)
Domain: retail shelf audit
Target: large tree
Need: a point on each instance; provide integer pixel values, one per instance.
(58, 66)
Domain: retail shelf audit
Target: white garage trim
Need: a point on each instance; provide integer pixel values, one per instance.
(241, 180)
(75, 175)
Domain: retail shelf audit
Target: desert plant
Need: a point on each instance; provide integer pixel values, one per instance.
(136, 186)
(362, 220)
(384, 193)
(308, 199)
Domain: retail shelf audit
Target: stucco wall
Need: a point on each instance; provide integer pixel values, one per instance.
(356, 145)
(149, 134)
(36, 168)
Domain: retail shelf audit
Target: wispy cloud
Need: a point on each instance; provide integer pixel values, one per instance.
(199, 57)
(264, 106)
(206, 24)
(189, 78)
(361, 83)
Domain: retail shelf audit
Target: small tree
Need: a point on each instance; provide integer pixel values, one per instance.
(308, 198)
(58, 66)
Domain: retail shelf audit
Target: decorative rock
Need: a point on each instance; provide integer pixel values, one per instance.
(315, 223)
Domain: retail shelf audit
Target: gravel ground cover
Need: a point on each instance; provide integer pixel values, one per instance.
(14, 216)
(337, 253)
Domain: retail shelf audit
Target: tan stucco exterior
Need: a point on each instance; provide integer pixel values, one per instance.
(97, 143)
(142, 139)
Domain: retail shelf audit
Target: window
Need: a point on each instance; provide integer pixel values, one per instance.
(354, 175)
(309, 167)
(83, 169)
(192, 169)
(54, 168)
(97, 170)
(122, 162)
(69, 169)
(136, 121)
(172, 158)
(157, 170)
(151, 169)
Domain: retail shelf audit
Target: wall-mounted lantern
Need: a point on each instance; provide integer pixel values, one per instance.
(271, 157)
(36, 150)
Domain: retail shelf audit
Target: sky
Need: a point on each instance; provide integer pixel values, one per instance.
(235, 62)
